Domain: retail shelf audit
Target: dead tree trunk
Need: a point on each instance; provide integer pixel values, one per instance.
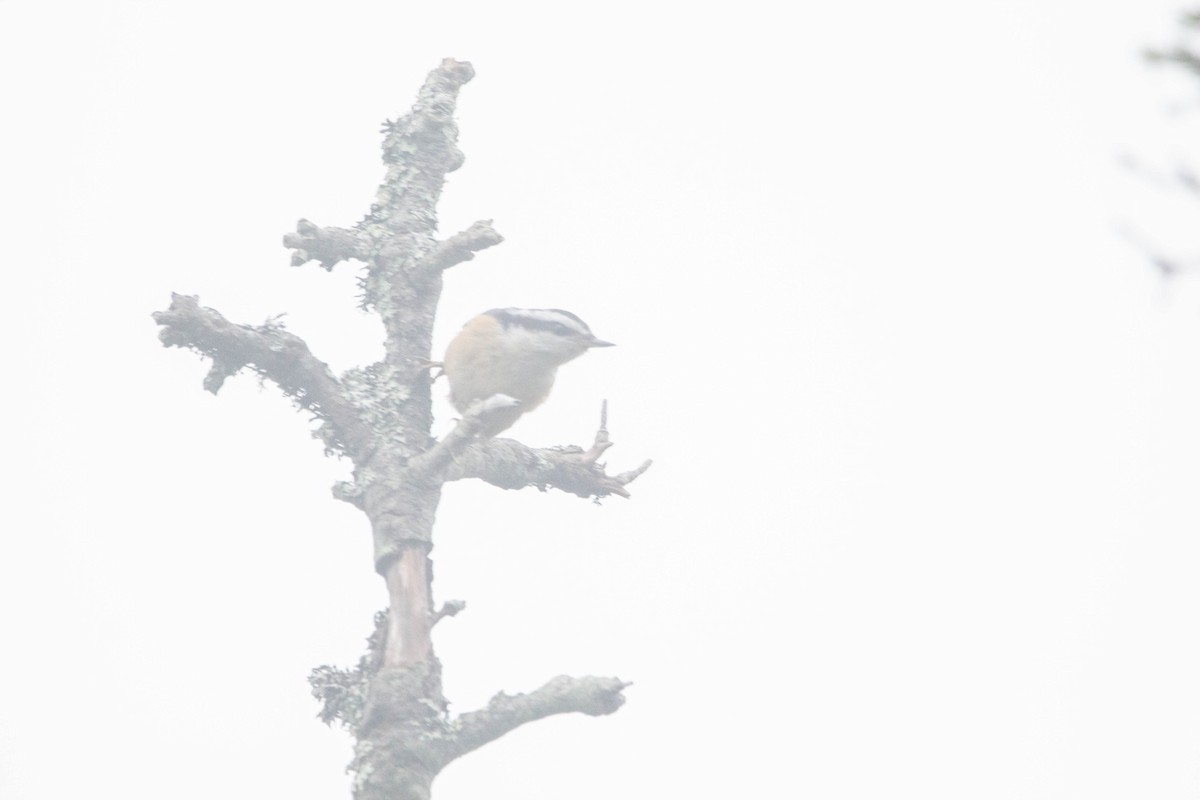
(380, 417)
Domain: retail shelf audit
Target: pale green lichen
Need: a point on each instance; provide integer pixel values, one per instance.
(380, 398)
(343, 692)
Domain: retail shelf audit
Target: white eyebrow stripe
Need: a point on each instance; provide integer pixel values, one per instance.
(549, 315)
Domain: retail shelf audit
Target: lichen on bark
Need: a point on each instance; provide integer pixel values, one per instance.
(379, 416)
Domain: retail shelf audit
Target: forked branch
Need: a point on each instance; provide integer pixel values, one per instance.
(510, 464)
(274, 353)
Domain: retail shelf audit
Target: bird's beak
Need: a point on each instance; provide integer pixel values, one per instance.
(600, 343)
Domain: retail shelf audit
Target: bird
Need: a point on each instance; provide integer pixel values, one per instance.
(515, 352)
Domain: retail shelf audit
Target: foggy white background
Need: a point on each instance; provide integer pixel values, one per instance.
(923, 517)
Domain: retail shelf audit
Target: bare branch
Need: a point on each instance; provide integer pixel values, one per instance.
(450, 608)
(274, 353)
(327, 246)
(430, 466)
(629, 476)
(563, 695)
(460, 247)
(510, 464)
(601, 442)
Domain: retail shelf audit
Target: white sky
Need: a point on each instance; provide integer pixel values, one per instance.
(923, 519)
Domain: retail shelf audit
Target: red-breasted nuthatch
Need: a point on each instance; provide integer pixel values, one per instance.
(513, 351)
